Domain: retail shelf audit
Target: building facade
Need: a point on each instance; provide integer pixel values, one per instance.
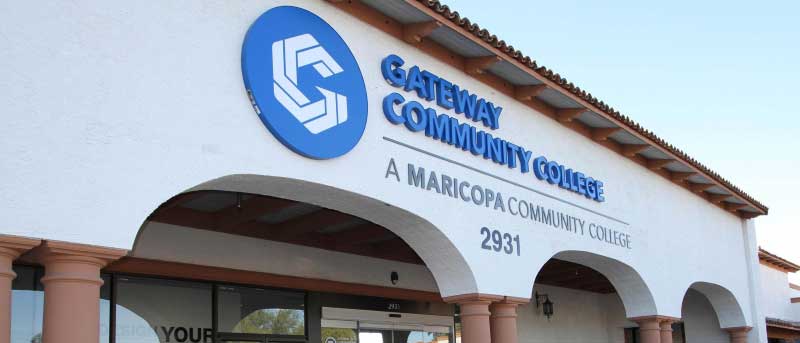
(780, 298)
(342, 171)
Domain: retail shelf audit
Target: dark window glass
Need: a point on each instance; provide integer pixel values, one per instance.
(261, 311)
(678, 334)
(631, 335)
(27, 305)
(457, 324)
(160, 311)
(408, 335)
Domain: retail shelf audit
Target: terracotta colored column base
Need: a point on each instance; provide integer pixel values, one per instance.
(652, 329)
(475, 326)
(739, 334)
(72, 290)
(666, 330)
(10, 248)
(503, 321)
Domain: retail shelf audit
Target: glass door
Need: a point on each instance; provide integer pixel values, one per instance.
(374, 335)
(339, 331)
(408, 334)
(341, 325)
(392, 333)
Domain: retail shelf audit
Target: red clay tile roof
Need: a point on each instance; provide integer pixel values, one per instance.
(776, 260)
(783, 324)
(486, 36)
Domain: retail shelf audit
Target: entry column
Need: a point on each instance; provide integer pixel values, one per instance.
(10, 248)
(666, 329)
(649, 328)
(739, 335)
(475, 325)
(503, 321)
(72, 290)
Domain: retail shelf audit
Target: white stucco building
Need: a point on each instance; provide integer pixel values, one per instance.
(780, 299)
(351, 171)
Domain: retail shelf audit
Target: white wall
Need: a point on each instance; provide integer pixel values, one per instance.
(776, 295)
(579, 317)
(111, 108)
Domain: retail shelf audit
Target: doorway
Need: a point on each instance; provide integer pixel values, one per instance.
(362, 326)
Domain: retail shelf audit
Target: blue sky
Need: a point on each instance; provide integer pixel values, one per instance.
(715, 78)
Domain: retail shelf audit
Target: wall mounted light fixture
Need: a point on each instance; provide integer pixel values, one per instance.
(547, 305)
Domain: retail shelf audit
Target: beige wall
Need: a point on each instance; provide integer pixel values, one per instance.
(600, 318)
(579, 317)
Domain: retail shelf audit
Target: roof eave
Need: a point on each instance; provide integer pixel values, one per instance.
(687, 173)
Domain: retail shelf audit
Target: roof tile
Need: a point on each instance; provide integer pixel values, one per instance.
(509, 50)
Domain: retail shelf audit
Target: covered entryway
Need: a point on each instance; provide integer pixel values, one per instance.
(580, 296)
(272, 262)
(712, 314)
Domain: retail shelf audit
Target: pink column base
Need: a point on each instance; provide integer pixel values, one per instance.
(503, 322)
(10, 248)
(649, 328)
(666, 331)
(739, 335)
(475, 326)
(72, 299)
(7, 275)
(72, 290)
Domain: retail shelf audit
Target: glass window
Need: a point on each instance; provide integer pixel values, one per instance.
(368, 334)
(437, 334)
(631, 335)
(27, 305)
(408, 334)
(678, 334)
(160, 311)
(339, 331)
(261, 311)
(457, 324)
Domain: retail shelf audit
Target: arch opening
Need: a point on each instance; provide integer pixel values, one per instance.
(622, 278)
(282, 225)
(708, 310)
(593, 298)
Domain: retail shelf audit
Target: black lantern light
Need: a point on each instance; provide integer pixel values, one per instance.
(547, 305)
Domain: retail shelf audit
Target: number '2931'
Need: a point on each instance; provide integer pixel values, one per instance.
(499, 241)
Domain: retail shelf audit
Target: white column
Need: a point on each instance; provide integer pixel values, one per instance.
(759, 332)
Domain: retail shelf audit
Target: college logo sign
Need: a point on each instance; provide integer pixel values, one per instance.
(304, 83)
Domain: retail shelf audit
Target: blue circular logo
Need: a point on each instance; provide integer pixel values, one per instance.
(304, 83)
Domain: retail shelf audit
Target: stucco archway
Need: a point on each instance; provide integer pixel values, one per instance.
(448, 267)
(726, 307)
(629, 285)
